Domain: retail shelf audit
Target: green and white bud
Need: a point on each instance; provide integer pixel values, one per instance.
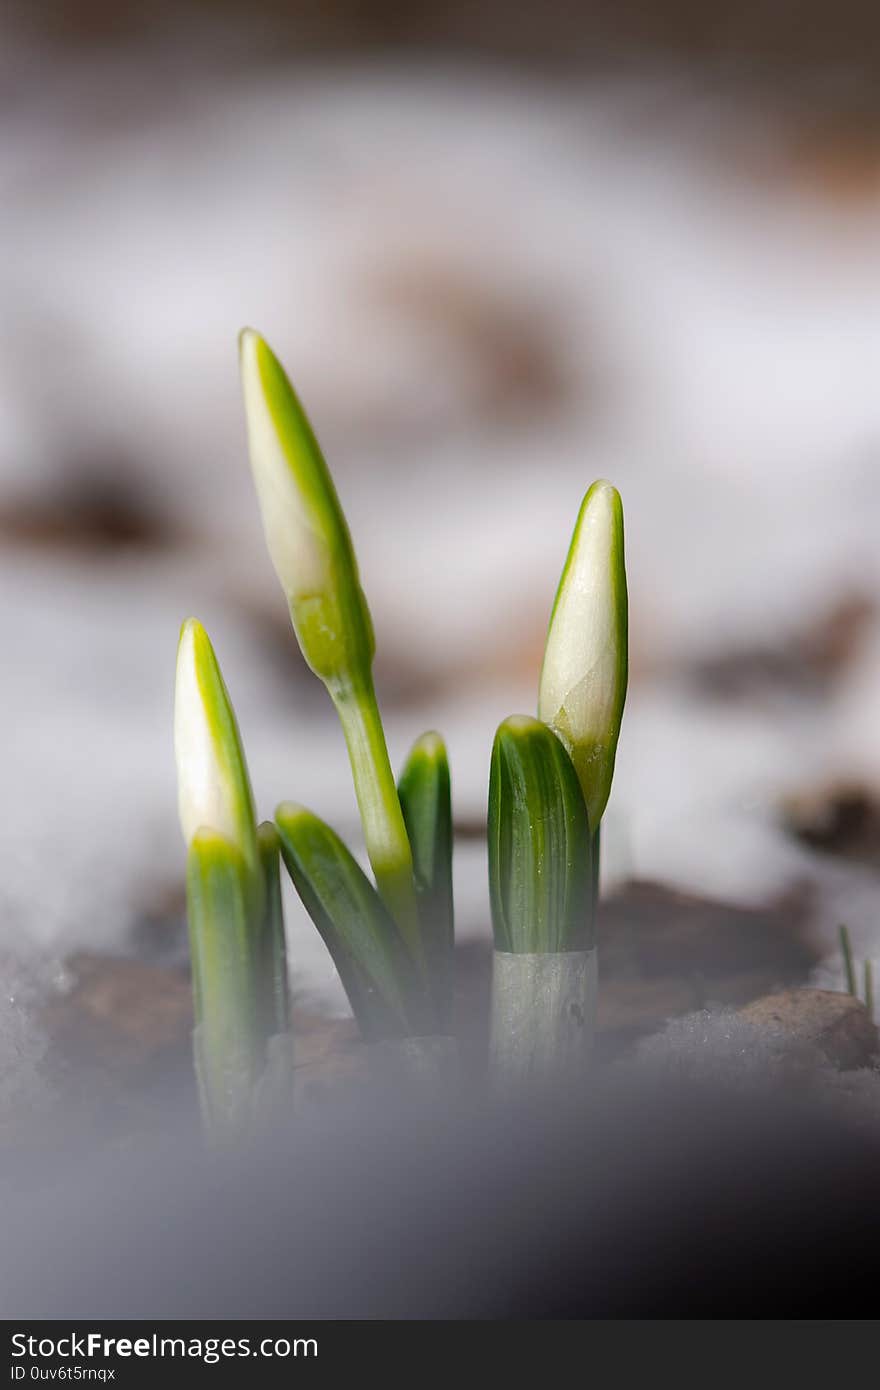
(583, 679)
(306, 532)
(214, 789)
(311, 549)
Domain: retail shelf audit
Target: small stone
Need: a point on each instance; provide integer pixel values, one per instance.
(837, 1025)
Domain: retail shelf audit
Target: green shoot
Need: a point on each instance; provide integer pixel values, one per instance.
(310, 546)
(275, 1004)
(425, 798)
(848, 963)
(849, 970)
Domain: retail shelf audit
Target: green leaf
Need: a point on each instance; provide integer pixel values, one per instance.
(540, 867)
(361, 936)
(227, 965)
(425, 798)
(584, 674)
(275, 1005)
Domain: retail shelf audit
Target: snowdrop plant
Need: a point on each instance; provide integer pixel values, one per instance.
(310, 546)
(392, 944)
(549, 785)
(233, 898)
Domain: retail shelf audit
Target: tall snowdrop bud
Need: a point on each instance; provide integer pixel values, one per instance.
(214, 790)
(306, 532)
(311, 549)
(583, 679)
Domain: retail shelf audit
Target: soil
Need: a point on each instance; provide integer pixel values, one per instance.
(120, 1035)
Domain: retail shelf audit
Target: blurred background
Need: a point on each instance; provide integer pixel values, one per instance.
(503, 250)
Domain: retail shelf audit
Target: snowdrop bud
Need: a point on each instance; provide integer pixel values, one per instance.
(583, 680)
(214, 791)
(306, 531)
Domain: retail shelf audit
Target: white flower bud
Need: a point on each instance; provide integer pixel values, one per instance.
(583, 679)
(214, 791)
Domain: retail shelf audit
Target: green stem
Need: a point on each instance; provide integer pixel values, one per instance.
(385, 835)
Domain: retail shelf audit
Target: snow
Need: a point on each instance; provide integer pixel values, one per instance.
(25, 1091)
(718, 1048)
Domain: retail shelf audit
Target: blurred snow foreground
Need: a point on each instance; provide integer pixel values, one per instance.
(489, 293)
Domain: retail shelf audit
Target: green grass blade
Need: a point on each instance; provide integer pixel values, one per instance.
(359, 932)
(425, 798)
(540, 862)
(848, 963)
